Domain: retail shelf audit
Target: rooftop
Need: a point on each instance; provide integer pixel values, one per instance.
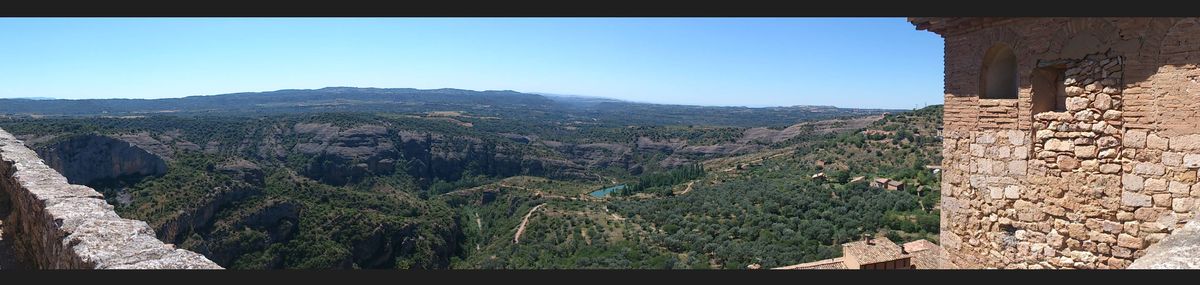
(923, 254)
(875, 250)
(832, 263)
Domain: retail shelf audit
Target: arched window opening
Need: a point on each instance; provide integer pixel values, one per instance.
(999, 76)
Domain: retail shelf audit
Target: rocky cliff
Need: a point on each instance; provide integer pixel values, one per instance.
(85, 159)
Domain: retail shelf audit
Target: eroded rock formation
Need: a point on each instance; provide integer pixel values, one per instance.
(86, 159)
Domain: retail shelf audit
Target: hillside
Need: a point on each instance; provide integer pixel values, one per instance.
(447, 179)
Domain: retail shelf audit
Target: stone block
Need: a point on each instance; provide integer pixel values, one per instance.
(1012, 192)
(1162, 200)
(1179, 188)
(1085, 151)
(1153, 141)
(1132, 182)
(1130, 242)
(1109, 168)
(1156, 185)
(1135, 138)
(1133, 199)
(1173, 158)
(1017, 167)
(1182, 205)
(1191, 160)
(1059, 145)
(1067, 163)
(1146, 168)
(1186, 143)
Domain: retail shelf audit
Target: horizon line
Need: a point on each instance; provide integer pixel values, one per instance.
(539, 93)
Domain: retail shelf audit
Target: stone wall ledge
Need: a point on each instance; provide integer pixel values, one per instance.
(55, 225)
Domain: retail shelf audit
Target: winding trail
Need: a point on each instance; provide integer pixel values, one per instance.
(689, 187)
(478, 222)
(521, 228)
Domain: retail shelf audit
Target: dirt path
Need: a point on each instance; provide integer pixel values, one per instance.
(689, 187)
(521, 228)
(583, 232)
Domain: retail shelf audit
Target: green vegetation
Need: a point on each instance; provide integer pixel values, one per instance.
(658, 182)
(410, 185)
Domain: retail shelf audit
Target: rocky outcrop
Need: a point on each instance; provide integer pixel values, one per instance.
(1180, 250)
(279, 220)
(89, 158)
(345, 156)
(53, 224)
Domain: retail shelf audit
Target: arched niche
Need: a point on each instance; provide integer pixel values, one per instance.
(999, 73)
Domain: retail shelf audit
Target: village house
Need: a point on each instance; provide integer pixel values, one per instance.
(880, 182)
(888, 184)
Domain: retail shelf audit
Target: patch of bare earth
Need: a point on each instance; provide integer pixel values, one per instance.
(521, 228)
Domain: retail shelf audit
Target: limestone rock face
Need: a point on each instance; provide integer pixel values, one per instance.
(89, 158)
(1180, 250)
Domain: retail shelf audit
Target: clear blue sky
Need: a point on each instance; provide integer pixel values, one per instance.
(846, 62)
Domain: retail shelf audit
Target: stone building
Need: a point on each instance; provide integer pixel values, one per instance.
(1068, 142)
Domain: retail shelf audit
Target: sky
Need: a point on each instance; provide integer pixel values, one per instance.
(756, 62)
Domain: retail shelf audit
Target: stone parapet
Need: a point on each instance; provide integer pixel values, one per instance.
(53, 224)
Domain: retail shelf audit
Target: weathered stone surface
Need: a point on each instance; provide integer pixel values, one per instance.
(1112, 115)
(64, 226)
(1133, 199)
(1111, 175)
(1155, 185)
(1172, 158)
(1132, 182)
(1016, 137)
(1162, 200)
(1130, 242)
(1020, 153)
(1180, 250)
(1012, 192)
(1191, 160)
(1059, 145)
(1153, 141)
(1086, 151)
(1044, 134)
(1186, 143)
(1107, 141)
(1074, 91)
(1181, 205)
(1145, 168)
(1110, 168)
(1102, 102)
(1178, 188)
(1135, 138)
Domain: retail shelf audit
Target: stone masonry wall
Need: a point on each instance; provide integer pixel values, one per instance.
(1091, 186)
(56, 225)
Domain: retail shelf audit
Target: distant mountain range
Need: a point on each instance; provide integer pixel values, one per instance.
(542, 106)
